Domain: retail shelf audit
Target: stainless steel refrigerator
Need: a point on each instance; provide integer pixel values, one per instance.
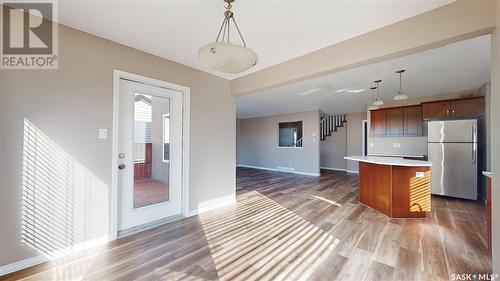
(453, 151)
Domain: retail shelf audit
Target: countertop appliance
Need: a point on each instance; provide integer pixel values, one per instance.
(453, 151)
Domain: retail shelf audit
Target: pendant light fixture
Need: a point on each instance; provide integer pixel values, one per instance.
(401, 95)
(378, 101)
(373, 107)
(224, 56)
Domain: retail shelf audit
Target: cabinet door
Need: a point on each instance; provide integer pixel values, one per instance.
(436, 109)
(468, 107)
(413, 121)
(378, 123)
(395, 122)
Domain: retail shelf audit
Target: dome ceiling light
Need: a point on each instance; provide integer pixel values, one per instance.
(401, 95)
(224, 56)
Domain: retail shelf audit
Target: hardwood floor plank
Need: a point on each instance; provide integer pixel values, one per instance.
(290, 227)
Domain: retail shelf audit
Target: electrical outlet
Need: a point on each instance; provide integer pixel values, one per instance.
(419, 174)
(396, 145)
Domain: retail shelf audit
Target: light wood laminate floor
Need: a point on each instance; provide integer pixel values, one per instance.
(291, 227)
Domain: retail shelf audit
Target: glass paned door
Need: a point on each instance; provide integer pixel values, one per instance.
(150, 154)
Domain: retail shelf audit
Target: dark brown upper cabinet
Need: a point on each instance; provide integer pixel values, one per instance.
(457, 108)
(436, 109)
(468, 107)
(397, 122)
(413, 120)
(378, 123)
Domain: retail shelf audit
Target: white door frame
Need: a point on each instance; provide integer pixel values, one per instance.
(117, 75)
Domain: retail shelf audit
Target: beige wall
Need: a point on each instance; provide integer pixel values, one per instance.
(70, 104)
(354, 138)
(347, 140)
(333, 150)
(258, 143)
(495, 138)
(457, 21)
(238, 141)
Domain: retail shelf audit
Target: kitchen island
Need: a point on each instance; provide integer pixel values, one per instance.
(397, 187)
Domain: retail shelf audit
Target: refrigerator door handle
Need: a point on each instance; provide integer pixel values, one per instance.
(474, 153)
(474, 133)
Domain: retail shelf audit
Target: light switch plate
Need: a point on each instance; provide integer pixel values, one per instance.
(372, 144)
(396, 145)
(103, 134)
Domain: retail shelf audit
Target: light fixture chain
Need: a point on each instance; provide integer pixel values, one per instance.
(239, 32)
(400, 82)
(224, 31)
(220, 30)
(378, 93)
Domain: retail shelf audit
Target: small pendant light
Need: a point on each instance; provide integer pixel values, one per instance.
(401, 95)
(378, 102)
(373, 107)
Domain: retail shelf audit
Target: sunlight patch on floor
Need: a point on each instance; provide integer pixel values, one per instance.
(262, 240)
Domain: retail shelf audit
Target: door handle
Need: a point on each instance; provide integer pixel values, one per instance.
(121, 166)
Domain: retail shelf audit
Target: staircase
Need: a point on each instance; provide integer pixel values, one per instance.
(329, 124)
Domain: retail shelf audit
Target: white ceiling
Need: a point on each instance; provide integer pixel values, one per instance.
(276, 30)
(453, 68)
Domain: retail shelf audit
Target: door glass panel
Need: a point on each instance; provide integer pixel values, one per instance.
(151, 150)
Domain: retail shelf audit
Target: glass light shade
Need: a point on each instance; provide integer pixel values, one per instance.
(227, 57)
(378, 103)
(401, 96)
(373, 107)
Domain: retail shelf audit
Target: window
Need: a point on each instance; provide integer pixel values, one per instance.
(290, 134)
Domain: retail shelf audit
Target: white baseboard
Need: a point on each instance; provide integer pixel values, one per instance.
(20, 265)
(36, 260)
(340, 170)
(278, 170)
(333, 169)
(213, 204)
(191, 213)
(256, 167)
(306, 174)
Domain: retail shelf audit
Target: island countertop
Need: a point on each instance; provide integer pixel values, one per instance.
(392, 161)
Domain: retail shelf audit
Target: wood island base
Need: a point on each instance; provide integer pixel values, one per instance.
(396, 191)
